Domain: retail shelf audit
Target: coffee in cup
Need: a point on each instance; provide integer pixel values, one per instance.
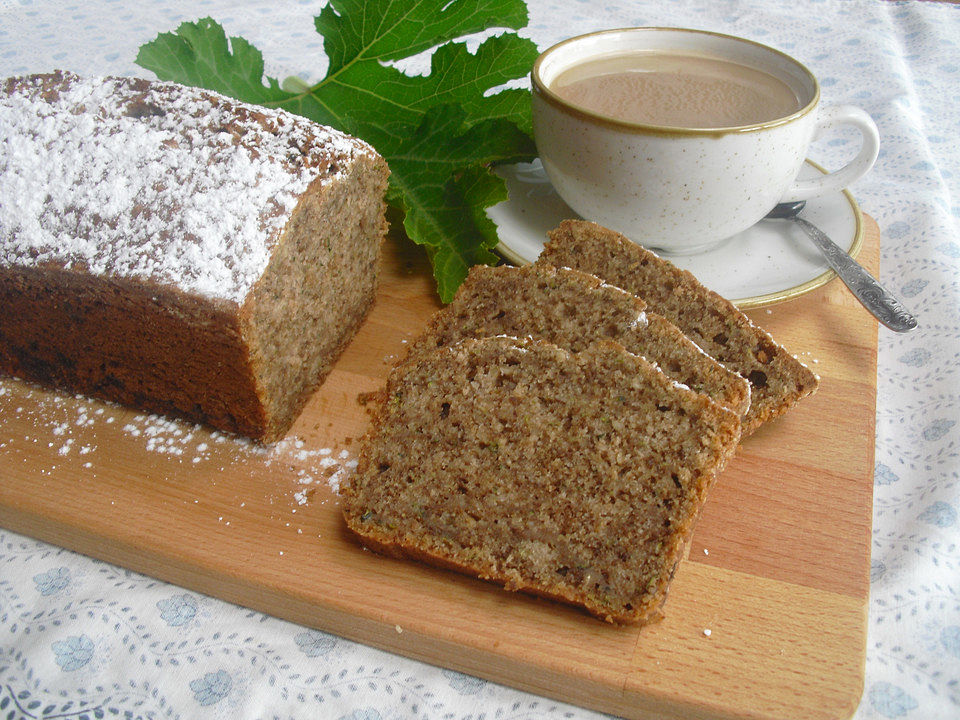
(681, 138)
(676, 89)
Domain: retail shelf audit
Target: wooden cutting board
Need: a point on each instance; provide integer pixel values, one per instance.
(766, 619)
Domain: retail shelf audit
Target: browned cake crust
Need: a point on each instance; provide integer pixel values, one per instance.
(131, 272)
(778, 380)
(573, 309)
(576, 476)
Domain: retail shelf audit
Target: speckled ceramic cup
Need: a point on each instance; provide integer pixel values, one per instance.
(675, 189)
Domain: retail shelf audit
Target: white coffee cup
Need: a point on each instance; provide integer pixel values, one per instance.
(683, 190)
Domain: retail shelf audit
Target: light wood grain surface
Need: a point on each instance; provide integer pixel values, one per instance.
(777, 572)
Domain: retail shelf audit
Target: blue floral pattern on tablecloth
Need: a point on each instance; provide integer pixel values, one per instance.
(52, 581)
(177, 610)
(212, 687)
(83, 639)
(73, 653)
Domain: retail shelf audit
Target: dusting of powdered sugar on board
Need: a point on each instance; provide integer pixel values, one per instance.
(125, 178)
(75, 428)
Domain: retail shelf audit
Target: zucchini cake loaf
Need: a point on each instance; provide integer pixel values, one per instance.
(778, 380)
(576, 476)
(171, 249)
(573, 309)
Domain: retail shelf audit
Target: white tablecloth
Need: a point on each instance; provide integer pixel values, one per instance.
(80, 636)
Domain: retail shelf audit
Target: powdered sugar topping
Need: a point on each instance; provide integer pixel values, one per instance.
(153, 180)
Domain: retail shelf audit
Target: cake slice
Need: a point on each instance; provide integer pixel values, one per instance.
(174, 250)
(576, 476)
(778, 380)
(573, 309)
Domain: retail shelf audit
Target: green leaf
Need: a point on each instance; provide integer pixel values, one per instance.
(443, 184)
(200, 55)
(440, 133)
(358, 30)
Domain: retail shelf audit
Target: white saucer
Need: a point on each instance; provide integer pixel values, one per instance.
(768, 263)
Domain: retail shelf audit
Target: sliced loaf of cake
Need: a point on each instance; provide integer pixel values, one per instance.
(576, 476)
(171, 249)
(778, 380)
(573, 309)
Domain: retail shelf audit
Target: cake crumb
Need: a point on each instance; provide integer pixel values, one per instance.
(707, 632)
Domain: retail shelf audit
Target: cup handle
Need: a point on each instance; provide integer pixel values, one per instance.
(832, 117)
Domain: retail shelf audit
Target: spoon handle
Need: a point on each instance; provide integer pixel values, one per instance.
(874, 297)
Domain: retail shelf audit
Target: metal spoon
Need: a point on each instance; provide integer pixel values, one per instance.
(874, 297)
